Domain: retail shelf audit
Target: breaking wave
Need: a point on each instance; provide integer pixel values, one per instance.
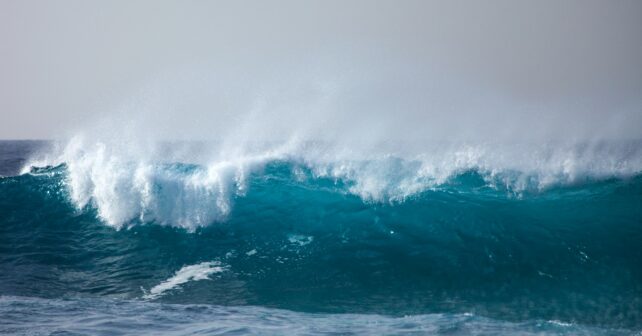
(533, 238)
(171, 188)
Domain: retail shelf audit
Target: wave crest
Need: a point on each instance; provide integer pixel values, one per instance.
(168, 189)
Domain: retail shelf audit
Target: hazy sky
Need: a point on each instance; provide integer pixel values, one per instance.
(192, 69)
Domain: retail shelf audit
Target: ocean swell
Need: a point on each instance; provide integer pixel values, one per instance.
(367, 235)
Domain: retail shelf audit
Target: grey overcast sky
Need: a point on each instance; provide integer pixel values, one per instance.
(193, 68)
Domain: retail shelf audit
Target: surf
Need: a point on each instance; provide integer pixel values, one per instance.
(388, 234)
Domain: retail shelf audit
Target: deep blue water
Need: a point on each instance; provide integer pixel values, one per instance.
(301, 254)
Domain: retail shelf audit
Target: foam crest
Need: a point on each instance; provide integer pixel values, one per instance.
(514, 168)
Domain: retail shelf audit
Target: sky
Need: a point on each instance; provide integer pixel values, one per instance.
(389, 69)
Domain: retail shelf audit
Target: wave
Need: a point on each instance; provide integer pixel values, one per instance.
(308, 237)
(151, 186)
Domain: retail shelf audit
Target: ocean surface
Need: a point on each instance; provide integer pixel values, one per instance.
(521, 241)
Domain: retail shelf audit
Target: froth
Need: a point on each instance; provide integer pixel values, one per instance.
(188, 273)
(123, 188)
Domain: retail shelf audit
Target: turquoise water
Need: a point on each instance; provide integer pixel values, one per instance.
(302, 253)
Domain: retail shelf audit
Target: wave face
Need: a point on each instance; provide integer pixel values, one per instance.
(468, 242)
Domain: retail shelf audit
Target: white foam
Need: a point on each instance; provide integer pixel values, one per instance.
(251, 253)
(300, 240)
(515, 167)
(124, 187)
(560, 323)
(196, 272)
